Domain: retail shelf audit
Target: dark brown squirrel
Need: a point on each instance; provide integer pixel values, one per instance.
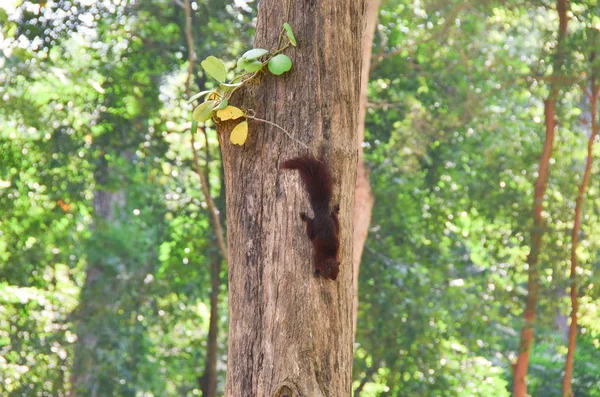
(324, 229)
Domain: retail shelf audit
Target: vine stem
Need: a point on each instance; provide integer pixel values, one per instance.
(280, 127)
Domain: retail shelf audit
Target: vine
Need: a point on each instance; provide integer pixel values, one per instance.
(216, 101)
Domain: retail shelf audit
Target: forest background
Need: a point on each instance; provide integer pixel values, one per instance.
(469, 107)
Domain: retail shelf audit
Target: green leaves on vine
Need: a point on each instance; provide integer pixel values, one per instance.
(215, 68)
(216, 102)
(280, 64)
(204, 111)
(289, 33)
(254, 54)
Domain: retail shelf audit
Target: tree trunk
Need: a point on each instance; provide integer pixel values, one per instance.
(566, 389)
(537, 232)
(208, 381)
(533, 283)
(97, 299)
(290, 333)
(363, 198)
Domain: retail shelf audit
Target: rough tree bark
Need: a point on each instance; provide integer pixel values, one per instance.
(290, 333)
(537, 231)
(363, 198)
(593, 97)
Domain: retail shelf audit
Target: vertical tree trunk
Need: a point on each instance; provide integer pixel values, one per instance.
(537, 232)
(566, 389)
(97, 296)
(208, 381)
(533, 283)
(363, 198)
(290, 333)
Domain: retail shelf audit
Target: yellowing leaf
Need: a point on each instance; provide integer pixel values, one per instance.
(230, 113)
(239, 134)
(213, 96)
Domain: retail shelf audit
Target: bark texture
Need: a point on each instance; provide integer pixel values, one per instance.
(567, 391)
(537, 232)
(363, 198)
(290, 333)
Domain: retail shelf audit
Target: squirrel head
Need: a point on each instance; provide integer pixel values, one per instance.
(331, 268)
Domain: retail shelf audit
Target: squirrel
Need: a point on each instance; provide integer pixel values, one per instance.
(324, 229)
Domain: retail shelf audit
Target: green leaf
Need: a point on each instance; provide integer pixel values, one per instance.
(215, 68)
(249, 66)
(254, 53)
(12, 29)
(198, 95)
(224, 103)
(3, 16)
(204, 111)
(228, 87)
(280, 64)
(290, 33)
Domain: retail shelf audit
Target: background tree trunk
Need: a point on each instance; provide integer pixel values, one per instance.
(290, 333)
(595, 91)
(363, 198)
(533, 282)
(208, 380)
(537, 232)
(86, 353)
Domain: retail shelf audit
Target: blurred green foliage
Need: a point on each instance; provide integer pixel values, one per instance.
(92, 108)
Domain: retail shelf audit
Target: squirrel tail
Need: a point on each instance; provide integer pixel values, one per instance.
(317, 180)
